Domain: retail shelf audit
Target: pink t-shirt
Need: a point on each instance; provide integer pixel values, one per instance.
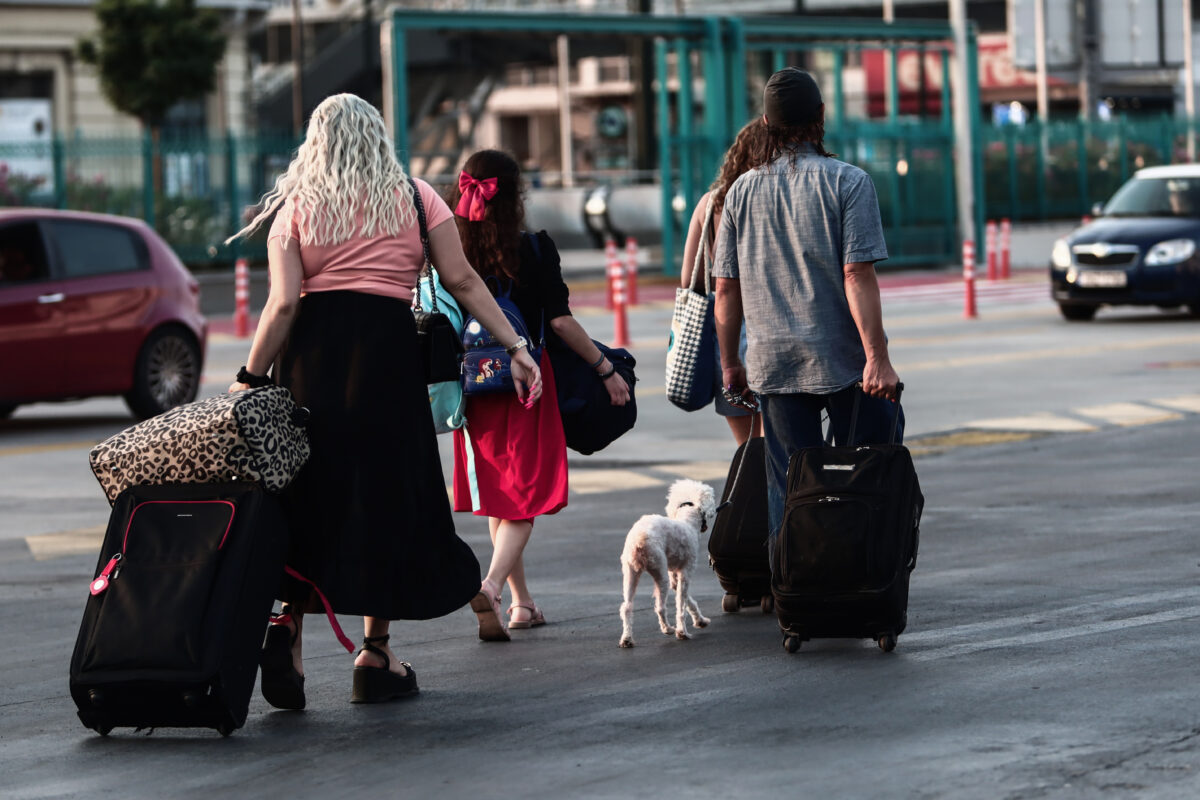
(386, 265)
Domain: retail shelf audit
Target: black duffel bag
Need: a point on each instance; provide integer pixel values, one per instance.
(590, 421)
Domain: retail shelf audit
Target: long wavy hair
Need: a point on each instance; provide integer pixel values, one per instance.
(741, 157)
(783, 138)
(492, 245)
(345, 170)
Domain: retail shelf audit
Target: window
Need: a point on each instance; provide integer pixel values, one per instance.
(93, 248)
(22, 255)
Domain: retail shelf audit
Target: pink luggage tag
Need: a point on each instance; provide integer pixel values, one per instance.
(109, 572)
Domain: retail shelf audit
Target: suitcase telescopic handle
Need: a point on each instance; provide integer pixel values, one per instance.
(854, 415)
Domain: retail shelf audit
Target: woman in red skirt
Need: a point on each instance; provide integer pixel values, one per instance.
(516, 469)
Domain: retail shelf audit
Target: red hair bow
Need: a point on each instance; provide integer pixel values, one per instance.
(475, 194)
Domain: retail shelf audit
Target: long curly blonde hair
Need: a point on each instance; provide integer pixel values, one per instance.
(346, 167)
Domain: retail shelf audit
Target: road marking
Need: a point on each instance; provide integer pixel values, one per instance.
(1090, 609)
(31, 449)
(1042, 422)
(1127, 414)
(1187, 402)
(594, 481)
(696, 470)
(1091, 629)
(45, 546)
(1034, 355)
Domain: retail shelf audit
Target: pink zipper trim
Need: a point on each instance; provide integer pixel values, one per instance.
(232, 509)
(333, 623)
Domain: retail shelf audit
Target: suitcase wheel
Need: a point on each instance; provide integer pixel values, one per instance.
(768, 604)
(730, 603)
(103, 730)
(887, 642)
(791, 642)
(225, 729)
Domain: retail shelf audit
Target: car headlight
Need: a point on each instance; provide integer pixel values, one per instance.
(1060, 256)
(1172, 251)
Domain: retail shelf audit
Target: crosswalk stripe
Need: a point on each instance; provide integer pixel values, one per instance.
(1127, 414)
(1187, 402)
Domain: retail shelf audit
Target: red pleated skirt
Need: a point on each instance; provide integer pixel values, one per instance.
(519, 455)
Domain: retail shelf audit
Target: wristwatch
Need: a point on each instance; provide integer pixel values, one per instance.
(517, 345)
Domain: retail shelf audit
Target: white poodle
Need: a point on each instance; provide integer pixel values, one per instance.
(665, 546)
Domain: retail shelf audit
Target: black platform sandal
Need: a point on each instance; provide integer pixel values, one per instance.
(379, 684)
(282, 685)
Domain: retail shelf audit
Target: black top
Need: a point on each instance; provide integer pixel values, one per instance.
(539, 288)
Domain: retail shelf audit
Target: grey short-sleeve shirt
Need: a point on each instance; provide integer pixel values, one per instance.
(786, 231)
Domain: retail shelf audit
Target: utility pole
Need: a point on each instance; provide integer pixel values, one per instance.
(642, 52)
(297, 72)
(1189, 80)
(964, 160)
(565, 151)
(1039, 35)
(1089, 67)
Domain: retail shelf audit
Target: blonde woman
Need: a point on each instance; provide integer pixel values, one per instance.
(370, 521)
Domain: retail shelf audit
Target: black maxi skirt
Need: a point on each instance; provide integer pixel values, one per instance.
(370, 519)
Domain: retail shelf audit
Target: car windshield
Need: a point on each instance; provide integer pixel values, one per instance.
(1156, 197)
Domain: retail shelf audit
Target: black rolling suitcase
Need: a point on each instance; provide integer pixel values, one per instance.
(848, 543)
(172, 630)
(737, 546)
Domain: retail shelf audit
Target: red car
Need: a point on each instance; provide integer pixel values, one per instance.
(92, 304)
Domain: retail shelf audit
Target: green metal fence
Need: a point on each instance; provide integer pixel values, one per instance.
(191, 189)
(1061, 169)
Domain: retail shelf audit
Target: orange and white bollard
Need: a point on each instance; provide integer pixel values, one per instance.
(241, 298)
(1005, 248)
(1086, 219)
(620, 321)
(992, 255)
(969, 310)
(631, 268)
(611, 264)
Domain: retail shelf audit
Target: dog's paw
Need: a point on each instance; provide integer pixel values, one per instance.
(702, 622)
(626, 642)
(682, 635)
(667, 630)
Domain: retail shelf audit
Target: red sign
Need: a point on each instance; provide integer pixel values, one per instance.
(996, 72)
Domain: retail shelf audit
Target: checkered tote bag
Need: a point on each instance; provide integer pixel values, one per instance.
(691, 350)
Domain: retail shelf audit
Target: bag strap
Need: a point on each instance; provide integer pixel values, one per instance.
(737, 476)
(854, 415)
(427, 267)
(704, 252)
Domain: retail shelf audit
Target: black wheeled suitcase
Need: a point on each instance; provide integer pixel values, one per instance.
(174, 624)
(737, 546)
(848, 543)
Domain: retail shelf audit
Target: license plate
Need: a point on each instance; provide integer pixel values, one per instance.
(1101, 279)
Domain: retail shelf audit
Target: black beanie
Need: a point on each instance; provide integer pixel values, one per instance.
(792, 97)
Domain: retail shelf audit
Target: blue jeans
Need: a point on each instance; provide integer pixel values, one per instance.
(792, 422)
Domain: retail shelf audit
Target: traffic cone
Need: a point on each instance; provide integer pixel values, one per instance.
(1005, 248)
(969, 310)
(992, 256)
(631, 268)
(620, 321)
(241, 298)
(611, 264)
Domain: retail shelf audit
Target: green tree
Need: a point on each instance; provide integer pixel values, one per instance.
(151, 54)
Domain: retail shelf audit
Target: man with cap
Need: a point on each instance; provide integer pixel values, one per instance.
(795, 258)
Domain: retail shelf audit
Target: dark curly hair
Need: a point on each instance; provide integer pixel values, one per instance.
(781, 138)
(741, 157)
(492, 245)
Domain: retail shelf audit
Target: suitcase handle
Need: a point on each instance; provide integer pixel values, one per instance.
(854, 414)
(741, 463)
(300, 416)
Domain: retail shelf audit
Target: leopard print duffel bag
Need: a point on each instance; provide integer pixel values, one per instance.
(252, 435)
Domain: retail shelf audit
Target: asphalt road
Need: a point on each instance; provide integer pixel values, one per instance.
(1051, 644)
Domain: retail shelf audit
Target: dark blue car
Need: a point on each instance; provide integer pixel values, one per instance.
(1141, 251)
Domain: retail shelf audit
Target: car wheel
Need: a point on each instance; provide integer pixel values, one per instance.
(6, 411)
(167, 373)
(1076, 313)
